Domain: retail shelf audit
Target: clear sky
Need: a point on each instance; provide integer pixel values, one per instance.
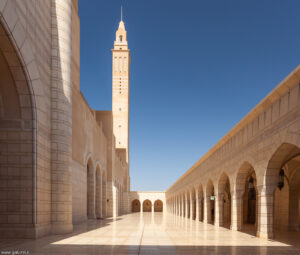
(197, 68)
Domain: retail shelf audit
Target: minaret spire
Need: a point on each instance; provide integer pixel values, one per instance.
(121, 13)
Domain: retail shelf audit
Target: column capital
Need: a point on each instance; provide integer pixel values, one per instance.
(263, 190)
(238, 194)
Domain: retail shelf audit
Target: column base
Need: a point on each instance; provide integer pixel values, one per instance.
(264, 235)
(60, 228)
(218, 224)
(236, 228)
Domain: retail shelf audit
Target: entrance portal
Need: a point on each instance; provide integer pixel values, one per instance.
(136, 206)
(158, 206)
(147, 206)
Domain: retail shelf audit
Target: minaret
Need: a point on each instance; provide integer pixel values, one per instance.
(120, 93)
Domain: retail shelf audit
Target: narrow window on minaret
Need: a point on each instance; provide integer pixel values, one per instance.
(121, 38)
(120, 64)
(125, 64)
(116, 64)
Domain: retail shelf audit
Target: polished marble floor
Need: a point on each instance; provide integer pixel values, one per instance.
(154, 233)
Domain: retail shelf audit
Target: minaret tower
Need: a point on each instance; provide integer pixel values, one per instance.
(120, 93)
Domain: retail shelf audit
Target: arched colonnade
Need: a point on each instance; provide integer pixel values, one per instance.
(249, 199)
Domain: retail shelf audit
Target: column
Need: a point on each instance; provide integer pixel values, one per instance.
(219, 212)
(191, 206)
(236, 210)
(179, 205)
(207, 213)
(265, 212)
(172, 205)
(186, 205)
(197, 206)
(61, 117)
(98, 194)
(182, 205)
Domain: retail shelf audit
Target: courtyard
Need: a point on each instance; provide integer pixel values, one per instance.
(153, 233)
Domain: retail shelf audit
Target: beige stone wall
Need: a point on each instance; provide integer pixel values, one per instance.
(89, 142)
(28, 27)
(79, 193)
(117, 169)
(50, 137)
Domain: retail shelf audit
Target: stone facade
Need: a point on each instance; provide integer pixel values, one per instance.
(59, 160)
(140, 201)
(237, 183)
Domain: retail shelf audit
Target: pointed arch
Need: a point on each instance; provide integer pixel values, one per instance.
(147, 205)
(158, 206)
(18, 117)
(282, 204)
(224, 201)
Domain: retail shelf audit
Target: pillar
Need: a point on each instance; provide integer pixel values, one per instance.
(265, 212)
(173, 206)
(186, 205)
(207, 213)
(197, 206)
(98, 194)
(91, 193)
(236, 210)
(191, 206)
(182, 205)
(219, 210)
(179, 202)
(178, 205)
(172, 201)
(61, 117)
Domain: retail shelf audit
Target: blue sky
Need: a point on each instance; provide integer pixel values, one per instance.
(197, 68)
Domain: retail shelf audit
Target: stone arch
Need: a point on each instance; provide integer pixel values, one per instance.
(282, 204)
(98, 191)
(224, 200)
(201, 202)
(283, 154)
(90, 195)
(210, 202)
(158, 206)
(246, 193)
(88, 157)
(135, 205)
(147, 205)
(18, 130)
(104, 199)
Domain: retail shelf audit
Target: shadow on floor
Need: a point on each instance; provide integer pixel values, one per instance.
(111, 236)
(151, 249)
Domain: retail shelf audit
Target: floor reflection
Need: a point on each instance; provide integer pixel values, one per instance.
(154, 233)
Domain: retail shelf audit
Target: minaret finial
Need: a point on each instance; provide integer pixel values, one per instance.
(121, 13)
